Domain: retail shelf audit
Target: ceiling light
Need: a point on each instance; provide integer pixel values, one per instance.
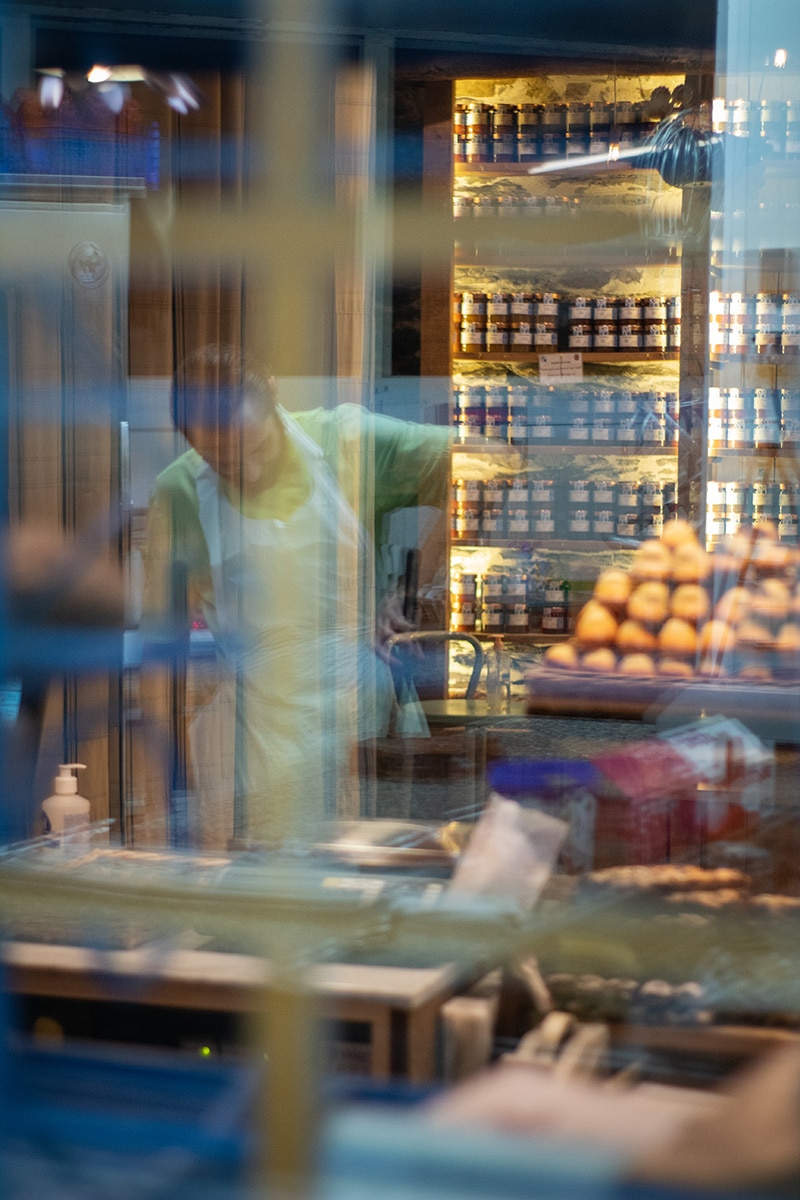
(780, 58)
(112, 84)
(99, 74)
(51, 91)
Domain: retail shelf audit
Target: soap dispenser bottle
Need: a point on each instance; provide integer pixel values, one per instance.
(66, 814)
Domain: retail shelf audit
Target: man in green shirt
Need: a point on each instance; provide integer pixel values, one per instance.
(268, 519)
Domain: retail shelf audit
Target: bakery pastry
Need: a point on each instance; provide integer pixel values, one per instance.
(676, 668)
(595, 626)
(603, 659)
(733, 606)
(678, 532)
(649, 603)
(770, 601)
(753, 633)
(636, 664)
(690, 602)
(711, 668)
(612, 588)
(717, 639)
(677, 639)
(668, 877)
(651, 561)
(563, 655)
(690, 564)
(788, 640)
(633, 637)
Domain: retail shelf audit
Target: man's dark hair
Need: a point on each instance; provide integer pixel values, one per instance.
(208, 387)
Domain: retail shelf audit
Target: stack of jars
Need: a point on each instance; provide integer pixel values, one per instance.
(765, 324)
(496, 602)
(519, 510)
(505, 133)
(774, 123)
(522, 414)
(544, 322)
(490, 409)
(758, 418)
(603, 418)
(499, 322)
(492, 511)
(729, 506)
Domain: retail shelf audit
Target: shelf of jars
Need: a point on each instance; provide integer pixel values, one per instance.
(605, 357)
(520, 326)
(585, 416)
(607, 160)
(613, 118)
(534, 450)
(529, 236)
(544, 544)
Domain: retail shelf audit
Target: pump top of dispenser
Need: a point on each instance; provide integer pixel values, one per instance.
(65, 783)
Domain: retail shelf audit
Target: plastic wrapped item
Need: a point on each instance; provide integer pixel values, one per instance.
(562, 789)
(511, 853)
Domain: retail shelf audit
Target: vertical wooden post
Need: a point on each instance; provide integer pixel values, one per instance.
(693, 386)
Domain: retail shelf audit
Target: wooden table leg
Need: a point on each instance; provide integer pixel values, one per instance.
(421, 1048)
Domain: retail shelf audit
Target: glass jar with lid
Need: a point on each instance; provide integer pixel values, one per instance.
(630, 333)
(605, 334)
(478, 134)
(463, 615)
(578, 132)
(504, 133)
(555, 610)
(579, 336)
(545, 333)
(529, 132)
(553, 131)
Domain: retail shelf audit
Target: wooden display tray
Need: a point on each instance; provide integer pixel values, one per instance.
(773, 706)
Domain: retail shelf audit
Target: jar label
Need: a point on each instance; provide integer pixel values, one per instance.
(656, 340)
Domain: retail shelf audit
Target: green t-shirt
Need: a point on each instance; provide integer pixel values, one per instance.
(380, 463)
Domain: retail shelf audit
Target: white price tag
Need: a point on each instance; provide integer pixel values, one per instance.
(560, 368)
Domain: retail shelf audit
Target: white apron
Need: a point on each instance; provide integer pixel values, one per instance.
(287, 624)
